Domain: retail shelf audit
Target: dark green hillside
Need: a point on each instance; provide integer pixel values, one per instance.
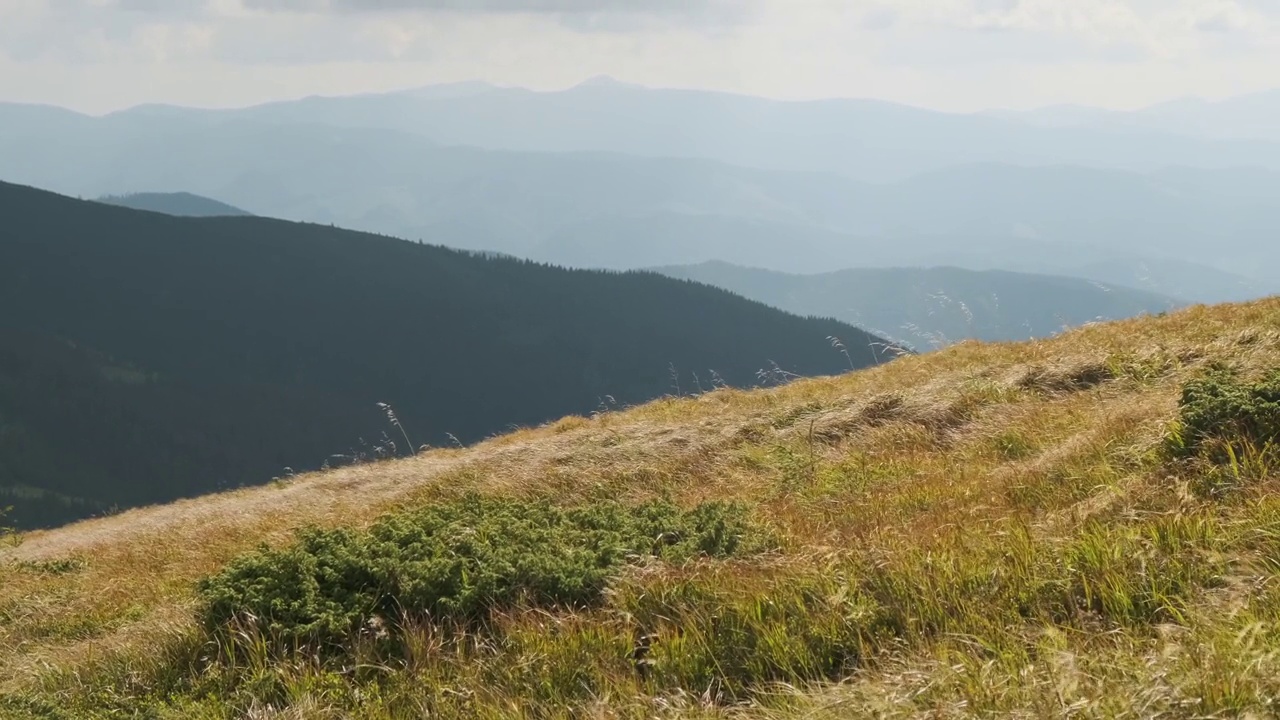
(929, 307)
(145, 357)
(174, 203)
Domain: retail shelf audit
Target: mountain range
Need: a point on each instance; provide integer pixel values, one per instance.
(928, 308)
(1178, 224)
(865, 139)
(1246, 117)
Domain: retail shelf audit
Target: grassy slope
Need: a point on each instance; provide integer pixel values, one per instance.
(995, 524)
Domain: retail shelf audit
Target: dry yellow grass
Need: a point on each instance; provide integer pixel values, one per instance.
(924, 453)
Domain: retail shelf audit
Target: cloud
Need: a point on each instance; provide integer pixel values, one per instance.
(165, 7)
(489, 6)
(879, 18)
(316, 41)
(584, 15)
(94, 31)
(959, 54)
(1054, 31)
(1225, 16)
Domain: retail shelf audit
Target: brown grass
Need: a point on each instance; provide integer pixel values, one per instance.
(923, 452)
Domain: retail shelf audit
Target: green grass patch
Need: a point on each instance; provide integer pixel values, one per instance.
(60, 566)
(712, 635)
(1013, 445)
(1221, 414)
(456, 561)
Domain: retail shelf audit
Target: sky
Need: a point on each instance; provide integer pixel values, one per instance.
(958, 55)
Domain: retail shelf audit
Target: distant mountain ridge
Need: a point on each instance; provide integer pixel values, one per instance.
(610, 175)
(182, 204)
(862, 138)
(600, 210)
(931, 307)
(1245, 117)
(145, 357)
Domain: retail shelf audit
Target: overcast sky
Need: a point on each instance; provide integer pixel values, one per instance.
(99, 55)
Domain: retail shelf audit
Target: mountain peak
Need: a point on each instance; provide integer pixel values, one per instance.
(604, 81)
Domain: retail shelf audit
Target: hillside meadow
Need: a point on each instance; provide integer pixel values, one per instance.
(1084, 526)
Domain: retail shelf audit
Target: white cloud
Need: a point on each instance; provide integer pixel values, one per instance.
(958, 54)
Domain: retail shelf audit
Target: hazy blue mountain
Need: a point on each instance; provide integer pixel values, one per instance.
(625, 242)
(930, 307)
(864, 139)
(1157, 274)
(175, 203)
(1192, 282)
(1055, 116)
(1246, 117)
(624, 211)
(628, 242)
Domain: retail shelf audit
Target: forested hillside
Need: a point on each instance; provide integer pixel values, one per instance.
(145, 357)
(931, 307)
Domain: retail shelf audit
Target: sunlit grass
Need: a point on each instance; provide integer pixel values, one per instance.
(989, 530)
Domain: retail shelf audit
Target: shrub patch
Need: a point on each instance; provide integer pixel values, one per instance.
(1220, 413)
(455, 561)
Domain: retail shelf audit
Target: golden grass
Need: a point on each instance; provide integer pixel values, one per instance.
(874, 469)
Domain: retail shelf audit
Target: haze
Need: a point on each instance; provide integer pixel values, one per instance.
(962, 55)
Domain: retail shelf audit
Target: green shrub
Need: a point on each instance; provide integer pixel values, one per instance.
(456, 561)
(1221, 414)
